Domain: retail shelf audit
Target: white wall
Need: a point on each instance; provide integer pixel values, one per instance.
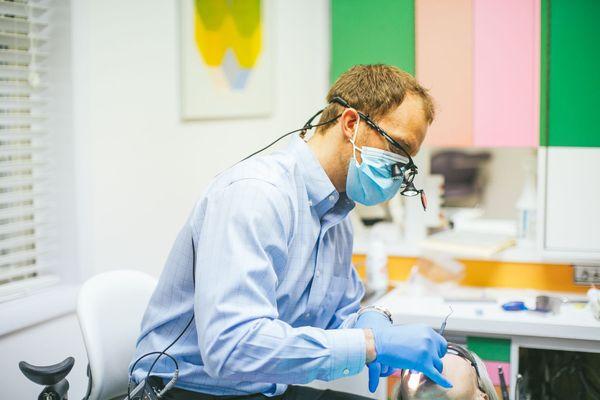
(137, 168)
(140, 167)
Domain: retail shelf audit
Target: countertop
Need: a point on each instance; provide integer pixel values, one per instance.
(482, 313)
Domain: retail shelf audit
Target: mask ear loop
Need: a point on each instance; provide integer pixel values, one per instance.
(353, 141)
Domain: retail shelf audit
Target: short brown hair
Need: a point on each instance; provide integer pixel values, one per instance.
(375, 90)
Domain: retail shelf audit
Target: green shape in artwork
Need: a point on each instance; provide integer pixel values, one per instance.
(212, 13)
(371, 32)
(574, 77)
(246, 16)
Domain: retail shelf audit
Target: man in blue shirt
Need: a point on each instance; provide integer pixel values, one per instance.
(258, 293)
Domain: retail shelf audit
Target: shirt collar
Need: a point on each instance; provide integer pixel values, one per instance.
(321, 193)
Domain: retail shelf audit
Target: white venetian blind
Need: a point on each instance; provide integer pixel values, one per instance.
(24, 172)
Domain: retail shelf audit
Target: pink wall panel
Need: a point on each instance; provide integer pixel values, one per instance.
(444, 42)
(506, 66)
(492, 369)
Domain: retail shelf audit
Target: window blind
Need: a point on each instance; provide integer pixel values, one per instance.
(24, 169)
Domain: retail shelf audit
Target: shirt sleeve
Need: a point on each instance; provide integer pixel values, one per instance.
(346, 314)
(243, 237)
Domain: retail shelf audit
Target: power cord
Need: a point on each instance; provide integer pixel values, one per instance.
(307, 126)
(164, 352)
(167, 386)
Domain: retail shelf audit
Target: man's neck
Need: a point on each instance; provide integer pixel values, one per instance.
(327, 152)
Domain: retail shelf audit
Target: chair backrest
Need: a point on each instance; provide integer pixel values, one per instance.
(110, 309)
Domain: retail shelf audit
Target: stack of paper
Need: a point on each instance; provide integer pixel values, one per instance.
(468, 244)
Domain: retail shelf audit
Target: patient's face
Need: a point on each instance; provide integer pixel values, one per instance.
(456, 369)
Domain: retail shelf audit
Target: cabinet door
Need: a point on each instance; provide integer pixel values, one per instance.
(573, 73)
(369, 32)
(506, 72)
(572, 199)
(444, 41)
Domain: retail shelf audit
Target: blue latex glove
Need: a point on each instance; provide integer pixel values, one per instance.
(374, 320)
(414, 347)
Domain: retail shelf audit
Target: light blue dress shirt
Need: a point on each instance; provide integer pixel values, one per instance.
(275, 295)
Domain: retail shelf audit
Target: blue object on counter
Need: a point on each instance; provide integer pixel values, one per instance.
(514, 306)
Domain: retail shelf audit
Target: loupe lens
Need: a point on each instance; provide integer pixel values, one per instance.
(409, 175)
(410, 189)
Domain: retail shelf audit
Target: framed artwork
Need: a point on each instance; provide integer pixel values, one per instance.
(226, 59)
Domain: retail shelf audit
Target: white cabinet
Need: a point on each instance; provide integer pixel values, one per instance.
(572, 200)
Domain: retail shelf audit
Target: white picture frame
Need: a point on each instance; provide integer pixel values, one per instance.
(218, 82)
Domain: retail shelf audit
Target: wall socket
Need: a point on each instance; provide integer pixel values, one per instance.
(586, 274)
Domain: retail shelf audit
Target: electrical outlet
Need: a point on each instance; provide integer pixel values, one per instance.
(586, 274)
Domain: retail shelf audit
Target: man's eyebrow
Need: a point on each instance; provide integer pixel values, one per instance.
(398, 151)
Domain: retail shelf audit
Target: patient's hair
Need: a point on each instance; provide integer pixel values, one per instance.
(375, 90)
(484, 382)
(484, 378)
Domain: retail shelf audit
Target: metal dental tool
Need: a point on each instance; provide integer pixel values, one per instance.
(443, 328)
(503, 387)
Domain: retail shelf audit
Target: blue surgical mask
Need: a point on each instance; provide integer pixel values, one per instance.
(371, 182)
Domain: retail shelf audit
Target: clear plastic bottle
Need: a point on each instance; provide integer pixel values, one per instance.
(527, 206)
(376, 263)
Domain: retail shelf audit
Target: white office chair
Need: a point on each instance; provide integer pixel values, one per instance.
(110, 309)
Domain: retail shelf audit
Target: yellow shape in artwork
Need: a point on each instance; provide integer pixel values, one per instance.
(248, 39)
(210, 40)
(223, 24)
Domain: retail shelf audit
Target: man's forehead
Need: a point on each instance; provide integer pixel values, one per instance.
(409, 140)
(407, 124)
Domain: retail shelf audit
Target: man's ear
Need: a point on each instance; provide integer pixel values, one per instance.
(348, 121)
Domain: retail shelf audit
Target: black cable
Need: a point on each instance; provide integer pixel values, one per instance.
(169, 346)
(151, 353)
(266, 147)
(307, 126)
(164, 352)
(191, 319)
(142, 357)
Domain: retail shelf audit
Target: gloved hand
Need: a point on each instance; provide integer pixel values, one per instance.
(375, 320)
(414, 347)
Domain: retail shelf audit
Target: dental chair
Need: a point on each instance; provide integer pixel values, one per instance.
(110, 309)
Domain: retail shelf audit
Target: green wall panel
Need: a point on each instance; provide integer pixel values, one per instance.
(574, 73)
(544, 52)
(373, 31)
(490, 349)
